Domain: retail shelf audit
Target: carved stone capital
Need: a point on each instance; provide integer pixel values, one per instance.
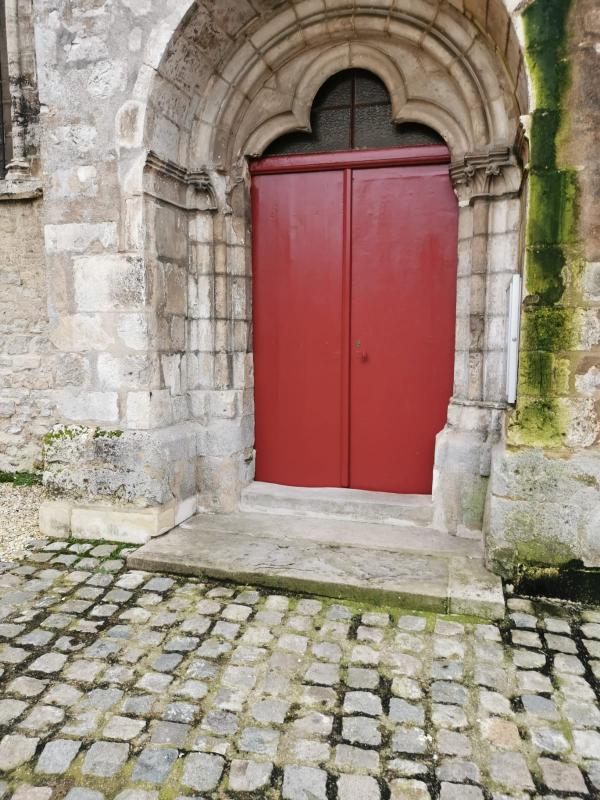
(489, 173)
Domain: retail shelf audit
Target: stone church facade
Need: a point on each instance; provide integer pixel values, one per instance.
(126, 257)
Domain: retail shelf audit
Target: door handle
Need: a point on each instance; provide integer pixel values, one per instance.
(360, 354)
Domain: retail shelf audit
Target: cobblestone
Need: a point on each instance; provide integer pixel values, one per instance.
(117, 683)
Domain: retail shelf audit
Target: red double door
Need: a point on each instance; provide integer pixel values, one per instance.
(354, 292)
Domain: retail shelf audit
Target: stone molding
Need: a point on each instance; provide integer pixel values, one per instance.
(199, 191)
(491, 404)
(240, 108)
(491, 174)
(28, 189)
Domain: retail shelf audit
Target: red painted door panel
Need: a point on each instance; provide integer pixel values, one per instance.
(354, 268)
(404, 244)
(298, 244)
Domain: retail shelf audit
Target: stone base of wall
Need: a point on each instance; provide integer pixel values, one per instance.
(221, 480)
(141, 468)
(132, 485)
(63, 519)
(462, 467)
(124, 486)
(542, 508)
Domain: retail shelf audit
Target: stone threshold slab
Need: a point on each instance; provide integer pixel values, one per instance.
(350, 533)
(335, 503)
(420, 580)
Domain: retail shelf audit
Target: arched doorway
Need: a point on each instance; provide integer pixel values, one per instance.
(354, 295)
(186, 139)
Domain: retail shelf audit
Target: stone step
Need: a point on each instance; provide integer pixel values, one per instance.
(331, 503)
(416, 568)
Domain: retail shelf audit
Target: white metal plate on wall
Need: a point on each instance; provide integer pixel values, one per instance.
(512, 337)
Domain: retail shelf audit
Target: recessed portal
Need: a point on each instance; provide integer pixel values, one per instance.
(354, 268)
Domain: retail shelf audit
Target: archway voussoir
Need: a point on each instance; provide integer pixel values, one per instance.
(456, 28)
(424, 10)
(287, 46)
(498, 24)
(477, 10)
(272, 29)
(232, 69)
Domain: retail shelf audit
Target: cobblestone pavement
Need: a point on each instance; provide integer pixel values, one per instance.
(122, 684)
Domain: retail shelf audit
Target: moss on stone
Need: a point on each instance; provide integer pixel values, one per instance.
(98, 434)
(544, 129)
(535, 372)
(537, 422)
(542, 553)
(553, 199)
(587, 480)
(549, 330)
(473, 503)
(62, 432)
(542, 374)
(545, 280)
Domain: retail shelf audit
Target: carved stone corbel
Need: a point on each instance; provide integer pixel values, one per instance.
(201, 195)
(489, 174)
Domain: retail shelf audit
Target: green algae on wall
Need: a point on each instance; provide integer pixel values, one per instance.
(548, 330)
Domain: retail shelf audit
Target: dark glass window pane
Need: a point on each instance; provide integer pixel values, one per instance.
(330, 132)
(297, 142)
(369, 89)
(413, 134)
(337, 91)
(331, 129)
(373, 128)
(352, 110)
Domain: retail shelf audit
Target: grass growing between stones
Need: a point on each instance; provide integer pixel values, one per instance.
(21, 478)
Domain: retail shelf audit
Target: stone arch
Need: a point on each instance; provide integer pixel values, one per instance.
(334, 59)
(223, 80)
(253, 80)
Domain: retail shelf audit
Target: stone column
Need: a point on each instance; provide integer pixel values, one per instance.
(23, 91)
(488, 186)
(219, 347)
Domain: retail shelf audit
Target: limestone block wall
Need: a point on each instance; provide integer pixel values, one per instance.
(544, 501)
(135, 334)
(117, 314)
(28, 364)
(149, 111)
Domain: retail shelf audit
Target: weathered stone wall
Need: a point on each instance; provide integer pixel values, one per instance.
(27, 370)
(544, 504)
(149, 110)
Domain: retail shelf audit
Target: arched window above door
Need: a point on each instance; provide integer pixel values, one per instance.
(352, 111)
